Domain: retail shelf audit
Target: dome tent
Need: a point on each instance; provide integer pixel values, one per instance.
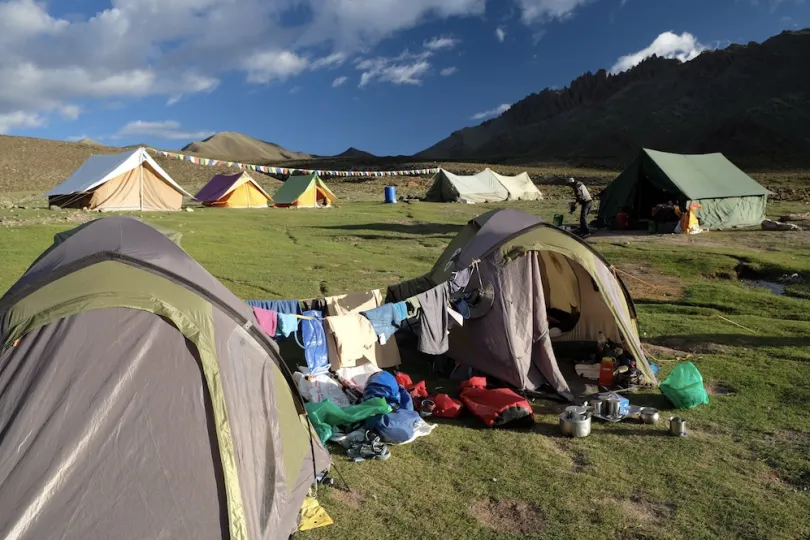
(140, 399)
(547, 287)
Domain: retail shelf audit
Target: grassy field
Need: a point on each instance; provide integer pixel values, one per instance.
(742, 472)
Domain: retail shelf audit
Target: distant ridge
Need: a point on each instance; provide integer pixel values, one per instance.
(353, 152)
(233, 146)
(90, 142)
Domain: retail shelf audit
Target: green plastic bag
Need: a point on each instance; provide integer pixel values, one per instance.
(326, 415)
(684, 387)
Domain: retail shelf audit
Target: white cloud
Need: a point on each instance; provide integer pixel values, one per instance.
(176, 48)
(500, 33)
(684, 47)
(339, 81)
(497, 111)
(446, 72)
(269, 66)
(19, 119)
(406, 68)
(534, 11)
(173, 99)
(167, 129)
(440, 42)
(295, 89)
(70, 112)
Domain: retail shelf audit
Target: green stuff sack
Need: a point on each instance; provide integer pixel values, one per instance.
(326, 415)
(684, 387)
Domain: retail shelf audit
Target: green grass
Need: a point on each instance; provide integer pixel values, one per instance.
(742, 471)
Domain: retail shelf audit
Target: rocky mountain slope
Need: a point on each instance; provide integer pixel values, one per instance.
(751, 102)
(238, 147)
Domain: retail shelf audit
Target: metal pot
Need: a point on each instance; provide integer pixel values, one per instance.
(576, 425)
(677, 426)
(612, 407)
(649, 415)
(597, 405)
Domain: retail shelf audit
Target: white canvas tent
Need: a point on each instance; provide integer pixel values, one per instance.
(126, 181)
(486, 186)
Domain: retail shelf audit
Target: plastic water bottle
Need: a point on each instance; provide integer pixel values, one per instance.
(601, 343)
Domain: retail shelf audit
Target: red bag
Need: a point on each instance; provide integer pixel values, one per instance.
(403, 379)
(447, 407)
(498, 407)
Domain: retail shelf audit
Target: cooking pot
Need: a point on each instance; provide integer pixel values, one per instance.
(677, 426)
(575, 425)
(649, 415)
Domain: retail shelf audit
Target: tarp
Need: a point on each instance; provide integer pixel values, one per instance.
(485, 186)
(728, 196)
(304, 191)
(102, 168)
(220, 191)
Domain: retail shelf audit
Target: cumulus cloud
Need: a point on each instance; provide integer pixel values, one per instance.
(446, 72)
(70, 112)
(407, 68)
(684, 47)
(539, 11)
(497, 111)
(339, 81)
(500, 33)
(440, 42)
(131, 49)
(167, 129)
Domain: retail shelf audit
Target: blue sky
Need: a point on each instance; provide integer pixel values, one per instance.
(387, 76)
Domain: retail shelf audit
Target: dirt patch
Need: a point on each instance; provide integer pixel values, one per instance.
(643, 512)
(657, 350)
(720, 388)
(683, 344)
(352, 499)
(508, 515)
(645, 283)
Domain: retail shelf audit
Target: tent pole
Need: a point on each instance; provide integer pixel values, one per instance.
(140, 169)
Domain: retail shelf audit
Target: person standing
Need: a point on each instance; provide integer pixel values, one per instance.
(585, 201)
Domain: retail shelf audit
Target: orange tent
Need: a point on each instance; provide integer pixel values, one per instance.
(233, 191)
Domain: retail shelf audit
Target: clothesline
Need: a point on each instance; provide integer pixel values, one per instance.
(287, 170)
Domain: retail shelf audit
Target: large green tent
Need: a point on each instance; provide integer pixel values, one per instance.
(306, 191)
(728, 197)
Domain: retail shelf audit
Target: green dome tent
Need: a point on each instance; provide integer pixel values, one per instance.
(140, 399)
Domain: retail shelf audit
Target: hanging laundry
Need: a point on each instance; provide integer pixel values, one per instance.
(352, 302)
(460, 280)
(433, 320)
(267, 320)
(386, 319)
(290, 307)
(314, 304)
(287, 324)
(313, 341)
(354, 337)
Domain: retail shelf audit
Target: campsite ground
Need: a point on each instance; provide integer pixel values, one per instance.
(742, 471)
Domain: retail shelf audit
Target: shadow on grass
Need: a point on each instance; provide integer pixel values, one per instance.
(731, 340)
(420, 229)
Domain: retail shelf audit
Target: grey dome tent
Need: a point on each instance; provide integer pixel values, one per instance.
(728, 197)
(140, 399)
(546, 287)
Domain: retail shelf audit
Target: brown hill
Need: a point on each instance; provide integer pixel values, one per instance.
(36, 165)
(750, 102)
(353, 152)
(237, 147)
(90, 142)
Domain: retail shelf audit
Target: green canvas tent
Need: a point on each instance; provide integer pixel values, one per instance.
(728, 197)
(140, 399)
(306, 191)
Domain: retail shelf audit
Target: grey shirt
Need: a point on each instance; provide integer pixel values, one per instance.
(582, 193)
(433, 338)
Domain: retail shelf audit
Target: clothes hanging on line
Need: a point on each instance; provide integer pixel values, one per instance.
(353, 302)
(386, 319)
(290, 307)
(433, 320)
(287, 325)
(353, 336)
(268, 320)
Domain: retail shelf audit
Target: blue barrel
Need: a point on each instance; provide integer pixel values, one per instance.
(390, 195)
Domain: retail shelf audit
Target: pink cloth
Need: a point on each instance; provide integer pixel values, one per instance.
(268, 320)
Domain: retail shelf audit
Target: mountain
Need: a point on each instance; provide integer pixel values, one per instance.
(90, 142)
(751, 102)
(232, 146)
(353, 152)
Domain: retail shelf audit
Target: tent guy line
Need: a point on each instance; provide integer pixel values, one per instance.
(287, 170)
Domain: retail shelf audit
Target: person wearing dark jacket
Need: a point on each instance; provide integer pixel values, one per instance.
(585, 201)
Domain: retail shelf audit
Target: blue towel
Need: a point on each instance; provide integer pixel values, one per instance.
(290, 307)
(287, 324)
(387, 318)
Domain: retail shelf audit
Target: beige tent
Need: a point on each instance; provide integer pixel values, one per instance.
(486, 186)
(125, 181)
